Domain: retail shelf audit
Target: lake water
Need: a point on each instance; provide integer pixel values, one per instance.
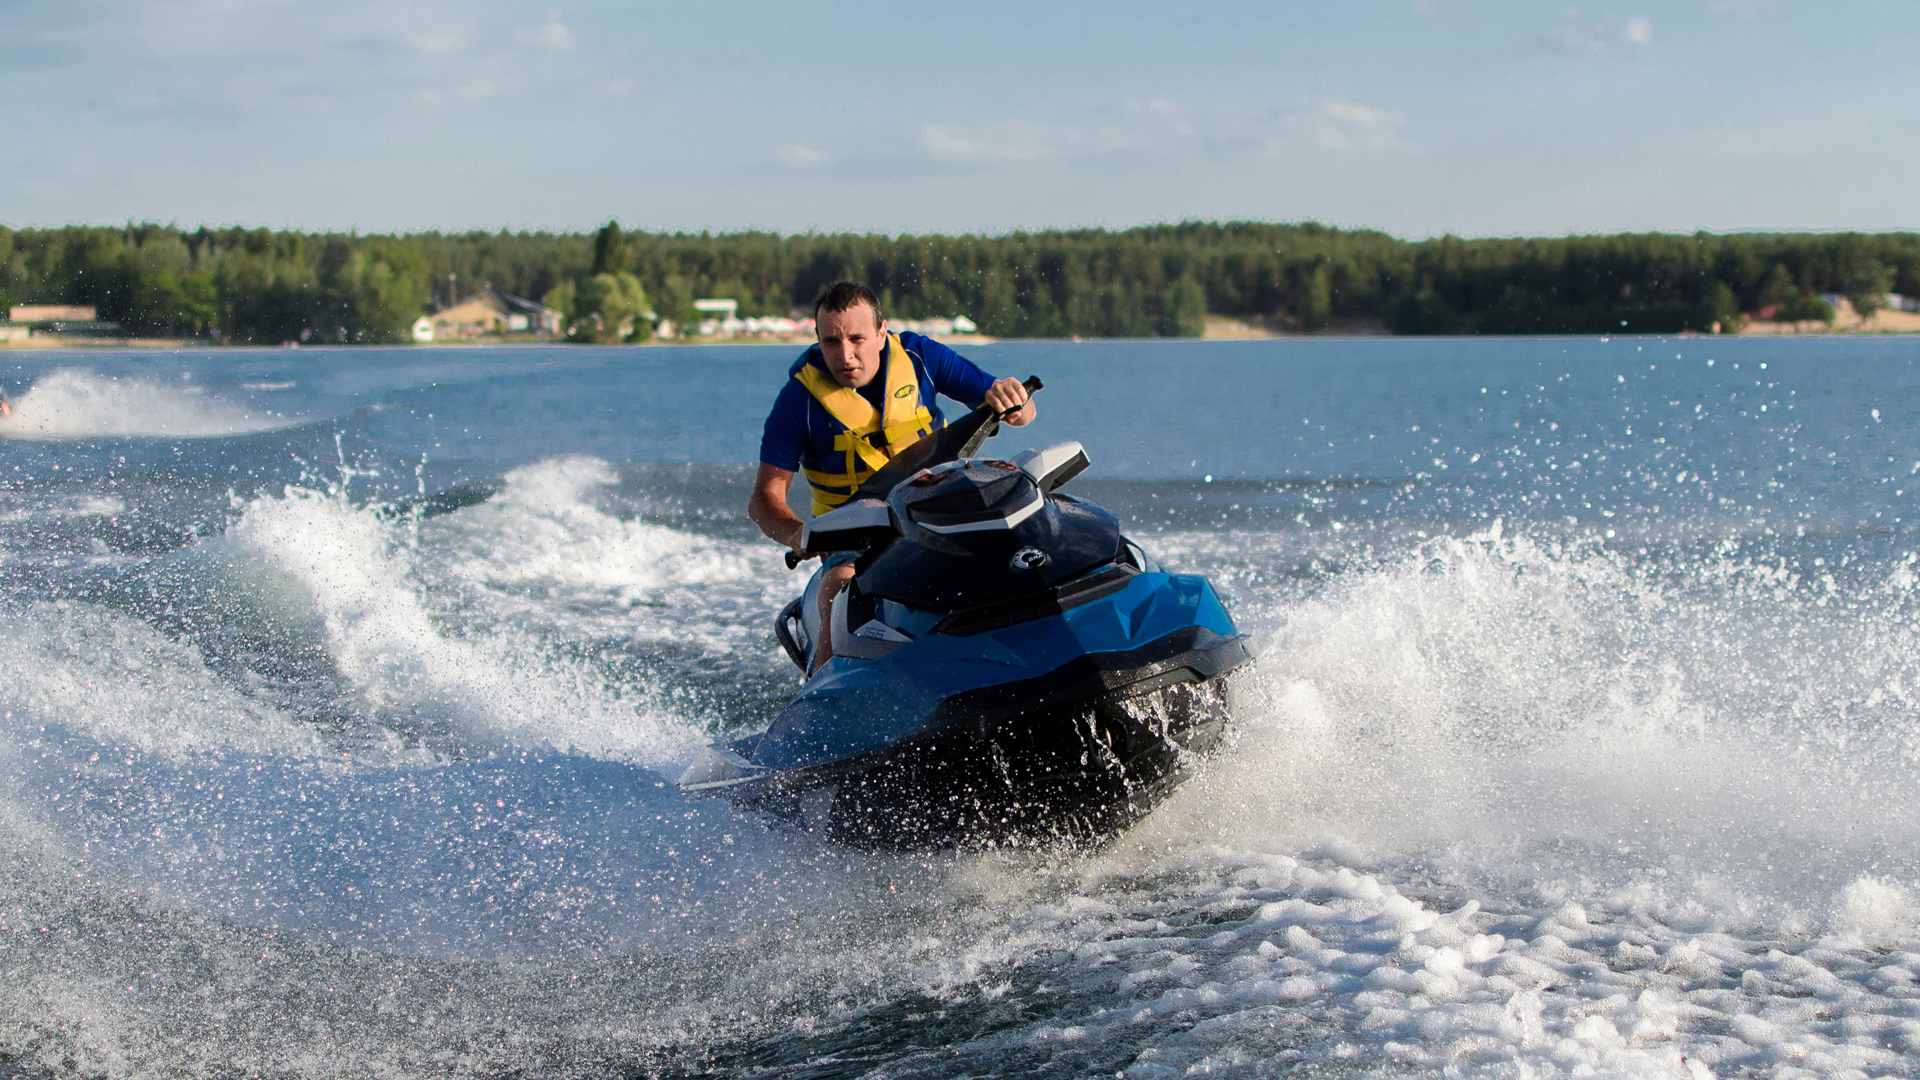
(343, 691)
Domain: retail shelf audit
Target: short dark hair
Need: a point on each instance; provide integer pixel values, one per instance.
(842, 295)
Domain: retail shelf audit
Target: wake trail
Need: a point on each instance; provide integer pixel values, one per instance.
(75, 403)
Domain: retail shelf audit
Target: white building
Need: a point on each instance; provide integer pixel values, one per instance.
(935, 327)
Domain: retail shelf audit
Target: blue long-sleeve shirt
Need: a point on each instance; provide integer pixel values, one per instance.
(800, 431)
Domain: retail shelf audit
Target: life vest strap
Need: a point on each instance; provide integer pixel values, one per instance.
(836, 482)
(872, 436)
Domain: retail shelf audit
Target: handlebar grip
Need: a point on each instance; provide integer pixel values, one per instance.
(793, 561)
(1033, 384)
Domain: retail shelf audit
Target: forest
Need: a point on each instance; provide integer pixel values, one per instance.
(235, 285)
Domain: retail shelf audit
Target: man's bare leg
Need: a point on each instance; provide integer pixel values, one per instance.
(832, 581)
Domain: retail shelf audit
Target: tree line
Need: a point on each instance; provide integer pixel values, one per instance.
(265, 286)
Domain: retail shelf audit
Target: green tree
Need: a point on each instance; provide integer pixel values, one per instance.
(1316, 307)
(1867, 290)
(610, 307)
(1807, 307)
(1718, 310)
(1776, 289)
(370, 291)
(1183, 310)
(673, 300)
(1424, 312)
(1517, 311)
(560, 299)
(609, 250)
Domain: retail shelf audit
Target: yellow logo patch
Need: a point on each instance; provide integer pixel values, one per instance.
(904, 391)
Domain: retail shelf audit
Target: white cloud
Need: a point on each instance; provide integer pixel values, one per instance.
(1007, 142)
(1577, 37)
(1152, 127)
(554, 35)
(438, 41)
(1159, 128)
(802, 155)
(1340, 124)
(1146, 128)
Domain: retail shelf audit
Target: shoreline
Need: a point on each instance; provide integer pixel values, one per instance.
(1219, 328)
(50, 343)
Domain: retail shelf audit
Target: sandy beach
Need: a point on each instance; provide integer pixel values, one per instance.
(1845, 321)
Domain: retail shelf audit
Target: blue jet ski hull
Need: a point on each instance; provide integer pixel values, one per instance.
(1066, 726)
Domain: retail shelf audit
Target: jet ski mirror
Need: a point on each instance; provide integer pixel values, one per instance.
(1054, 466)
(849, 528)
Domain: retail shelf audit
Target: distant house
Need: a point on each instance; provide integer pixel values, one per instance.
(53, 313)
(729, 323)
(492, 312)
(934, 327)
(61, 319)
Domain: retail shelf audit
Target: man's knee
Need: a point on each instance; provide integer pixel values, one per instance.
(832, 581)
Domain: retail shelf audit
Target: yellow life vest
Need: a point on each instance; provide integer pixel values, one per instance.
(871, 436)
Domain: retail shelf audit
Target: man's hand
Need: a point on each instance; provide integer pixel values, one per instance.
(767, 506)
(1010, 394)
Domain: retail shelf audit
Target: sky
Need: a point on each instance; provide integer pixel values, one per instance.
(1419, 117)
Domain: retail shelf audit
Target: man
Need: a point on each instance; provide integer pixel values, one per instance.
(851, 402)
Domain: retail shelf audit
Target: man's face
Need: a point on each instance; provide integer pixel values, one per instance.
(851, 341)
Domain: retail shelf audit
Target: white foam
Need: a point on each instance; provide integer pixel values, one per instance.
(542, 550)
(1496, 808)
(1233, 961)
(544, 529)
(383, 637)
(75, 403)
(1875, 908)
(31, 506)
(1531, 718)
(121, 682)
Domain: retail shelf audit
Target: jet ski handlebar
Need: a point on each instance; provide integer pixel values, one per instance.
(958, 440)
(1033, 385)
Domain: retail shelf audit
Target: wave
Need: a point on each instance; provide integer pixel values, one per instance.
(555, 550)
(383, 636)
(1497, 804)
(75, 403)
(1717, 737)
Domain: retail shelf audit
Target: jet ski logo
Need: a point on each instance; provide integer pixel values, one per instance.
(1027, 559)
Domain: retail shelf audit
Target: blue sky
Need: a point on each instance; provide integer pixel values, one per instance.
(1416, 116)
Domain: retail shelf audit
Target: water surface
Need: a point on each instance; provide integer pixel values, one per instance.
(343, 691)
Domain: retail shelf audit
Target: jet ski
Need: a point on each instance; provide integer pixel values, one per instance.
(1007, 667)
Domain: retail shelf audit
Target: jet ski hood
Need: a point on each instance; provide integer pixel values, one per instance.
(976, 531)
(959, 533)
